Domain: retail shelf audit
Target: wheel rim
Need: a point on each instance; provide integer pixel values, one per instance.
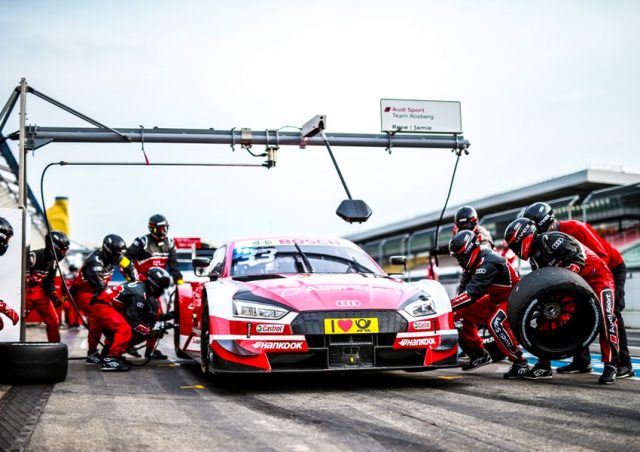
(558, 323)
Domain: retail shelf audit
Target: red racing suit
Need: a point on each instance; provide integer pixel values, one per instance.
(557, 249)
(122, 311)
(41, 291)
(146, 252)
(483, 292)
(11, 313)
(586, 235)
(92, 280)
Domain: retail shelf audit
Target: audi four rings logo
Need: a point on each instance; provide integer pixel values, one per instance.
(347, 303)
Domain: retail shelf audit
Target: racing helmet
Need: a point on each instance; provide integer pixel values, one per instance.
(113, 247)
(6, 232)
(57, 244)
(519, 236)
(466, 219)
(158, 280)
(464, 247)
(541, 214)
(158, 226)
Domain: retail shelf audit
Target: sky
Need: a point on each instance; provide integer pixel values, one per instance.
(546, 88)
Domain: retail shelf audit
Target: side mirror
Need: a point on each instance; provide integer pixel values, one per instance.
(399, 260)
(200, 265)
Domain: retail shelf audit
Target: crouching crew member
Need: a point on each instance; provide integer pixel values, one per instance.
(557, 249)
(486, 283)
(542, 214)
(41, 290)
(155, 249)
(94, 276)
(126, 310)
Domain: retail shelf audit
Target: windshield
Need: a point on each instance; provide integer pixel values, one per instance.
(275, 259)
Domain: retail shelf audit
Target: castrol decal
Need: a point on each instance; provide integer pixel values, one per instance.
(269, 329)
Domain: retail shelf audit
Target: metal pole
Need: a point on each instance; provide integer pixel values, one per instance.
(210, 136)
(22, 199)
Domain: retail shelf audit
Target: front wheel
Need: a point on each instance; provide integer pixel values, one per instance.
(205, 340)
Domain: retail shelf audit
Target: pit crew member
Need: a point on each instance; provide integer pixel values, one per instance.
(92, 280)
(486, 283)
(41, 290)
(558, 249)
(155, 249)
(466, 219)
(542, 214)
(128, 309)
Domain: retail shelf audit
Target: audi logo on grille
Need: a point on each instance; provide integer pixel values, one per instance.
(347, 303)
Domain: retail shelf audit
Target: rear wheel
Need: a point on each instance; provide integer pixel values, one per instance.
(553, 313)
(205, 340)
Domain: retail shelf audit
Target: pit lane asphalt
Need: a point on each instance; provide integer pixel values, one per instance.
(168, 405)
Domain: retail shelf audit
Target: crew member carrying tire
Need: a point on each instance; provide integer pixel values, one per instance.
(155, 249)
(557, 249)
(92, 280)
(542, 214)
(485, 286)
(41, 290)
(127, 313)
(6, 232)
(466, 219)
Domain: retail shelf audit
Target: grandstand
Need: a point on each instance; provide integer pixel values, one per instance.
(608, 200)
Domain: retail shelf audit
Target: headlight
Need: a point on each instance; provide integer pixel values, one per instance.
(422, 306)
(257, 310)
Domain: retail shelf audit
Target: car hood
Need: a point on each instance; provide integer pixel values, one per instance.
(333, 292)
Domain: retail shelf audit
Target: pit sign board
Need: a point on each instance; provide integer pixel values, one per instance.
(420, 116)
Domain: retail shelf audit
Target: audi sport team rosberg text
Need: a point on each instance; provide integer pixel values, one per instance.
(129, 314)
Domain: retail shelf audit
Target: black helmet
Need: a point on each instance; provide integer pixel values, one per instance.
(464, 247)
(158, 226)
(113, 247)
(57, 244)
(541, 214)
(157, 281)
(466, 219)
(519, 235)
(6, 232)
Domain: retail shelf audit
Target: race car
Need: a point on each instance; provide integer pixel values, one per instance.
(286, 304)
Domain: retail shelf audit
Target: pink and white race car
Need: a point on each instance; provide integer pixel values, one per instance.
(286, 304)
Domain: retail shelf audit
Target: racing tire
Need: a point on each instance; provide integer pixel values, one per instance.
(205, 342)
(33, 362)
(553, 313)
(176, 329)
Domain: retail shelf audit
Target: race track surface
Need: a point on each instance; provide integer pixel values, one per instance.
(169, 405)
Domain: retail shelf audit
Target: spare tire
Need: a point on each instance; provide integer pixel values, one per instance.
(33, 362)
(553, 313)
